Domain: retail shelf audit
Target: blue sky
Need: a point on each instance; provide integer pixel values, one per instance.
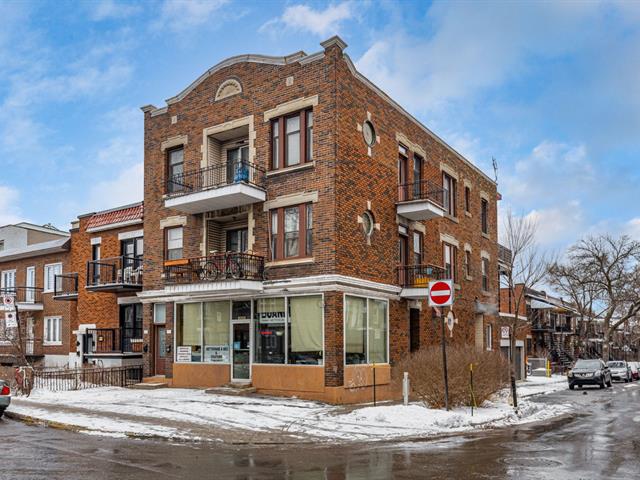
(549, 89)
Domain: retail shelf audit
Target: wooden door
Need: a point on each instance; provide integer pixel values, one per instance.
(162, 350)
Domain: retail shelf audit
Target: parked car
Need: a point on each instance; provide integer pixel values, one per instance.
(5, 396)
(620, 370)
(589, 372)
(635, 370)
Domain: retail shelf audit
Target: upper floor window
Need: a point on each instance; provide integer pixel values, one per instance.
(450, 253)
(467, 199)
(449, 185)
(467, 264)
(484, 214)
(175, 169)
(50, 272)
(132, 247)
(291, 232)
(173, 243)
(292, 140)
(485, 274)
(417, 248)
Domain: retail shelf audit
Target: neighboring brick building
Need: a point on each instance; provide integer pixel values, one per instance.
(30, 258)
(339, 207)
(104, 275)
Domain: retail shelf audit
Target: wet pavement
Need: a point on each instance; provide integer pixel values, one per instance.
(601, 442)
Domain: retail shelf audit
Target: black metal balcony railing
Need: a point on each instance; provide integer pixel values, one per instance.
(23, 294)
(214, 176)
(126, 271)
(504, 255)
(66, 285)
(223, 266)
(419, 276)
(116, 340)
(422, 190)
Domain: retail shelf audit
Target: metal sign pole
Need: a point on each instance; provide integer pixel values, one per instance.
(444, 364)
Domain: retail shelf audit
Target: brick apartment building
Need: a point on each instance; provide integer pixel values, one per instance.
(338, 206)
(104, 277)
(30, 258)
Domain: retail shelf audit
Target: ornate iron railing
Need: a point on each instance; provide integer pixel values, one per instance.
(217, 267)
(419, 276)
(214, 176)
(422, 190)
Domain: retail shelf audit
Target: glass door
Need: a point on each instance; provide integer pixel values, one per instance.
(31, 284)
(241, 358)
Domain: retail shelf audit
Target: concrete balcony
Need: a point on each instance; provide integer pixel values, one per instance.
(215, 187)
(117, 274)
(422, 200)
(414, 280)
(25, 298)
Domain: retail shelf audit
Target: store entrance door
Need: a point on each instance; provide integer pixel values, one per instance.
(241, 356)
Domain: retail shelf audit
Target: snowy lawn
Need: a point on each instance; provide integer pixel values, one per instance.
(196, 415)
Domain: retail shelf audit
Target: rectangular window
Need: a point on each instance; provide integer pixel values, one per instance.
(485, 216)
(296, 225)
(417, 248)
(52, 331)
(159, 313)
(175, 170)
(173, 243)
(449, 185)
(305, 338)
(467, 199)
(8, 280)
(292, 140)
(366, 330)
(485, 274)
(189, 332)
(488, 337)
(270, 315)
(216, 321)
(467, 264)
(450, 254)
(50, 272)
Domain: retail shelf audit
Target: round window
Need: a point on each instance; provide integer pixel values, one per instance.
(367, 223)
(369, 133)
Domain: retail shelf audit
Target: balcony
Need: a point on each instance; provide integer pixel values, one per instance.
(422, 200)
(66, 287)
(225, 272)
(414, 279)
(115, 341)
(215, 187)
(118, 274)
(26, 298)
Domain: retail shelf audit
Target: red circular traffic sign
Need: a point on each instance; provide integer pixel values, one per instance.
(440, 293)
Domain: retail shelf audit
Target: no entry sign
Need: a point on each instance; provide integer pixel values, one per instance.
(440, 293)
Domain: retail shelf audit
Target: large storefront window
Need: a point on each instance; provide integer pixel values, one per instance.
(366, 331)
(301, 343)
(203, 332)
(216, 316)
(189, 333)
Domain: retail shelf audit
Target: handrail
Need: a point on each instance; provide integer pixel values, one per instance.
(65, 284)
(419, 276)
(24, 294)
(216, 267)
(122, 270)
(421, 190)
(215, 176)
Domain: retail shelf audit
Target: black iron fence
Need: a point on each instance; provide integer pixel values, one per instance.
(85, 378)
(23, 294)
(214, 176)
(419, 276)
(223, 266)
(115, 340)
(114, 271)
(66, 285)
(422, 190)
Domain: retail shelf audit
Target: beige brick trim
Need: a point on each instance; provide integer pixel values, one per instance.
(467, 247)
(485, 195)
(291, 106)
(419, 227)
(449, 170)
(450, 239)
(175, 221)
(414, 147)
(223, 127)
(174, 142)
(293, 199)
(293, 261)
(485, 254)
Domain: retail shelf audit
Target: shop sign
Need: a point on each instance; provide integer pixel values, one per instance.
(183, 354)
(10, 320)
(216, 353)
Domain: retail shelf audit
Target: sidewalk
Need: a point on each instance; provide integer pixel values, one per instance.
(193, 415)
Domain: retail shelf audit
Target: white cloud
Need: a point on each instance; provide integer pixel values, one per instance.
(126, 187)
(110, 9)
(307, 19)
(9, 209)
(558, 225)
(181, 15)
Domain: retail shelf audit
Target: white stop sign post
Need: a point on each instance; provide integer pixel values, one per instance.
(441, 295)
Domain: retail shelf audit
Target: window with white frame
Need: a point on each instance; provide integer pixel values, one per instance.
(485, 274)
(50, 272)
(450, 254)
(8, 280)
(488, 337)
(159, 313)
(366, 325)
(53, 331)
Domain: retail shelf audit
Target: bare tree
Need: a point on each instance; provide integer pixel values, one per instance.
(608, 269)
(524, 270)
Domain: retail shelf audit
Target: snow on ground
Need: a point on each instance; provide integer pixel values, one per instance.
(192, 414)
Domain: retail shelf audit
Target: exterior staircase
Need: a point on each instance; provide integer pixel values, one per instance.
(239, 389)
(559, 353)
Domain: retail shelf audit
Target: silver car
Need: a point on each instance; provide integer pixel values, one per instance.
(619, 370)
(5, 396)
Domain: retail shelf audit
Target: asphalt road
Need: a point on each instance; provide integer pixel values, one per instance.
(601, 442)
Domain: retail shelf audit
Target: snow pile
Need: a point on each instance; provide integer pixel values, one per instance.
(194, 414)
